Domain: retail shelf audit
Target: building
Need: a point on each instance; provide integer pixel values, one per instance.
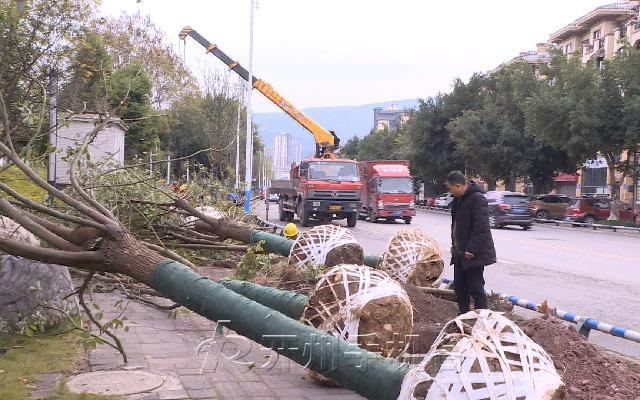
(598, 36)
(536, 58)
(390, 118)
(286, 150)
(107, 147)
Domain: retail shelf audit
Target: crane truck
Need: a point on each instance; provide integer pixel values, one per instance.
(323, 187)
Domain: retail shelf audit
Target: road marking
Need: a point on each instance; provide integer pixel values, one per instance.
(508, 262)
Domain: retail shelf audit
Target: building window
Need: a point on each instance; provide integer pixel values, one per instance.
(596, 34)
(623, 31)
(594, 181)
(567, 49)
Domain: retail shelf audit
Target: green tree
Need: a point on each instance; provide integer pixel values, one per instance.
(584, 110)
(350, 148)
(91, 70)
(129, 95)
(35, 37)
(135, 37)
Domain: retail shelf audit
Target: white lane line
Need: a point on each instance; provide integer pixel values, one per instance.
(507, 262)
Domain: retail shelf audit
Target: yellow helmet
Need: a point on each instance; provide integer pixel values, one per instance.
(290, 230)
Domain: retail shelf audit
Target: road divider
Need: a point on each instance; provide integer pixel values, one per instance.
(583, 324)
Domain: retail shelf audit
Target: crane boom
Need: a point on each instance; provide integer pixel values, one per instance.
(326, 141)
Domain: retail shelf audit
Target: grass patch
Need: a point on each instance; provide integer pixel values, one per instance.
(22, 184)
(26, 357)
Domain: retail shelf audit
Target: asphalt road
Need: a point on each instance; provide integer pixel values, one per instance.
(591, 273)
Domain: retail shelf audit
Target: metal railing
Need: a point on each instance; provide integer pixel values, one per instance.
(583, 324)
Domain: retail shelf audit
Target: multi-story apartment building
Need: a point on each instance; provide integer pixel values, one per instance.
(286, 150)
(597, 36)
(390, 118)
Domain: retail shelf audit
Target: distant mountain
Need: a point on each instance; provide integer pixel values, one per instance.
(346, 121)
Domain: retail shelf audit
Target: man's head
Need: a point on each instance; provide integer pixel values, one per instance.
(457, 183)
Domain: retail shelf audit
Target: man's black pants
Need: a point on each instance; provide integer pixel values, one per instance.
(467, 284)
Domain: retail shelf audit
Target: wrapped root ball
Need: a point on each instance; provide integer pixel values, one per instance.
(482, 355)
(413, 257)
(361, 305)
(9, 229)
(326, 245)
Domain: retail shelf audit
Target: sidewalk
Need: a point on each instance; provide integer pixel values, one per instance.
(234, 368)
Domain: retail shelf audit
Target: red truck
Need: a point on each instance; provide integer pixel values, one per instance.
(321, 189)
(387, 190)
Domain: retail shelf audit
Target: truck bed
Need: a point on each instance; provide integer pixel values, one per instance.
(282, 186)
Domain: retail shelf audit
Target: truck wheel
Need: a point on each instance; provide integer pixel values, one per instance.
(282, 214)
(352, 219)
(407, 220)
(372, 217)
(303, 214)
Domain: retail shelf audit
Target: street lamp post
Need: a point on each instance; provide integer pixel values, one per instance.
(241, 94)
(249, 149)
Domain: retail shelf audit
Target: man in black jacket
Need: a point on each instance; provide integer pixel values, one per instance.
(471, 243)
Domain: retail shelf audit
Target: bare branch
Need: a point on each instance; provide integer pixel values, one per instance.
(75, 163)
(145, 164)
(88, 260)
(48, 211)
(87, 311)
(188, 239)
(228, 247)
(78, 205)
(23, 219)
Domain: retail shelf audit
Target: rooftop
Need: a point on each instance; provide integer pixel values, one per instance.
(612, 10)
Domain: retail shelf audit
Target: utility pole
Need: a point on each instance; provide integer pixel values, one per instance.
(168, 169)
(249, 149)
(53, 122)
(238, 141)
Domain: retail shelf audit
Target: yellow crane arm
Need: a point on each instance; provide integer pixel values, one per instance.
(326, 141)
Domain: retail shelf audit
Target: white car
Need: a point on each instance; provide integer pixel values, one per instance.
(444, 201)
(273, 197)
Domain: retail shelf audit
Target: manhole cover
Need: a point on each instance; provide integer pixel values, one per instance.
(115, 382)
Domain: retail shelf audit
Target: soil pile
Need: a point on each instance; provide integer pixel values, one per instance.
(588, 372)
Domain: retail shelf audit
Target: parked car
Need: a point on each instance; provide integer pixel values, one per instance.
(550, 206)
(431, 201)
(509, 208)
(443, 201)
(592, 209)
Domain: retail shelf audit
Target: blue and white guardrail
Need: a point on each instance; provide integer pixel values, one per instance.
(584, 324)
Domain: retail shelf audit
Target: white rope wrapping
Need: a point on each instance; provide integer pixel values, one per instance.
(340, 316)
(482, 355)
(312, 246)
(409, 250)
(9, 229)
(206, 210)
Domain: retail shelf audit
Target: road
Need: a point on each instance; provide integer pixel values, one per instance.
(591, 273)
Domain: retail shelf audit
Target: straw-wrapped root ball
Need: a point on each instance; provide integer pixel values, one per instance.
(482, 355)
(413, 257)
(326, 245)
(9, 229)
(361, 305)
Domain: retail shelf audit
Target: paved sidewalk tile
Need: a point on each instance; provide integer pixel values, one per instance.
(228, 367)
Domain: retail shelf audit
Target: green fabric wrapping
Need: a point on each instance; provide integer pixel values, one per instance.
(368, 374)
(273, 243)
(372, 261)
(290, 304)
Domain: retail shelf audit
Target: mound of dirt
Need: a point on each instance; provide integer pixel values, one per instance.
(430, 314)
(588, 372)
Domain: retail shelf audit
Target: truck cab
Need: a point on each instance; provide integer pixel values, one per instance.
(388, 191)
(321, 189)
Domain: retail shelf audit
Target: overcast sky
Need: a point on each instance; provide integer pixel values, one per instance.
(352, 52)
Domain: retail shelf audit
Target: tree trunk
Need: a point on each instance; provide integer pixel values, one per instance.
(614, 215)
